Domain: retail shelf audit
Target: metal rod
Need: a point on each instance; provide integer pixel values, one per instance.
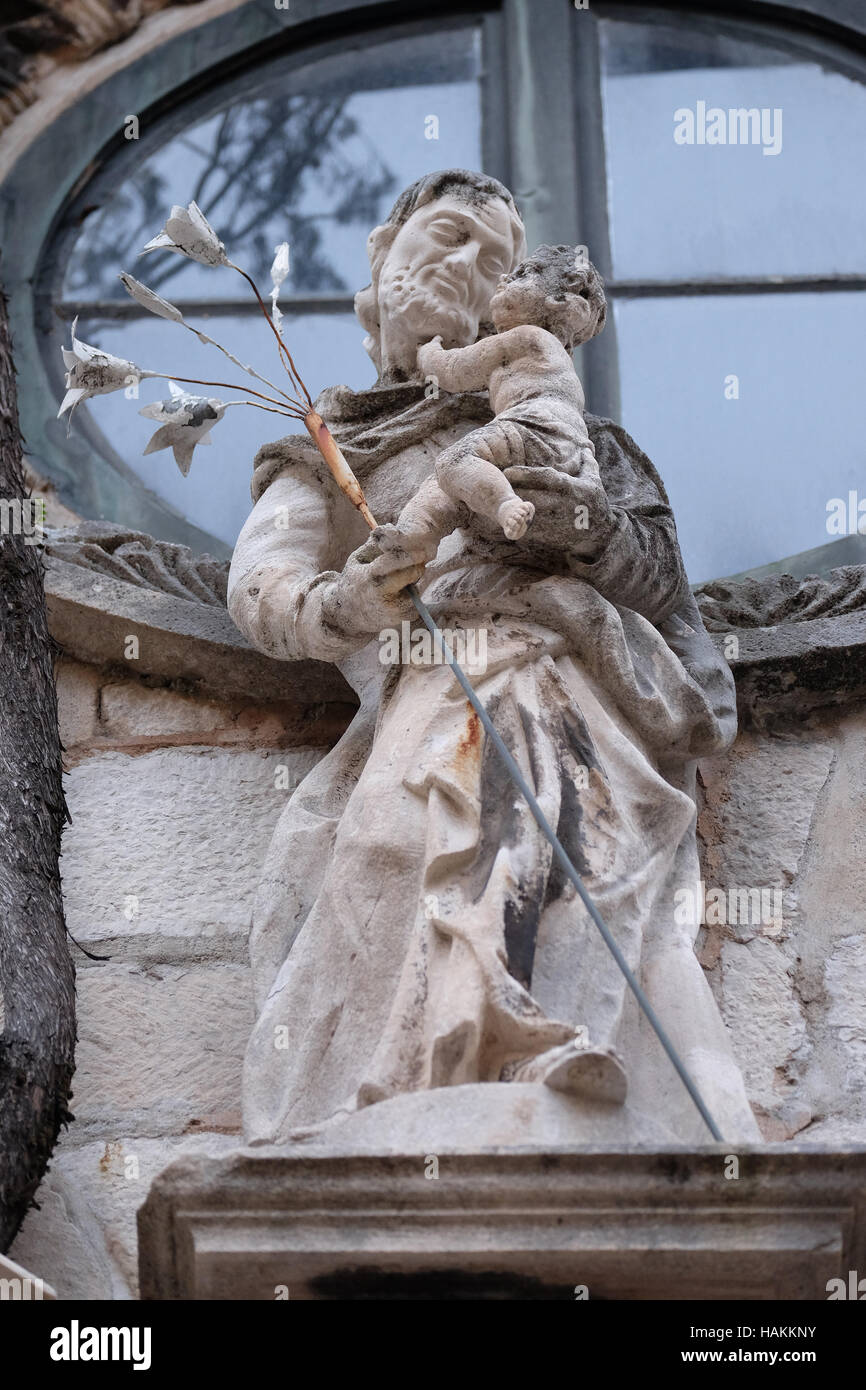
(547, 829)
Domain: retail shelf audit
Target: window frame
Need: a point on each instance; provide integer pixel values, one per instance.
(542, 135)
(37, 210)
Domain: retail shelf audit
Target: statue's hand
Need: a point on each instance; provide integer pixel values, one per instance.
(369, 593)
(571, 514)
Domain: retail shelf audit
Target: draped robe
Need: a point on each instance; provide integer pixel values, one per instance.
(411, 930)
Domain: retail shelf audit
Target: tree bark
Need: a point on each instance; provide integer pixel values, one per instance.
(37, 978)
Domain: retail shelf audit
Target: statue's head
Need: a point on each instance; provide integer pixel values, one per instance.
(435, 263)
(557, 288)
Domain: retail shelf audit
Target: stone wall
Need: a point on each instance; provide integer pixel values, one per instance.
(172, 798)
(786, 809)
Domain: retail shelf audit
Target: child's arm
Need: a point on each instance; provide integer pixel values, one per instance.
(461, 369)
(470, 368)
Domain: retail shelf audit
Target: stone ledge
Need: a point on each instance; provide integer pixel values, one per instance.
(796, 667)
(515, 1224)
(801, 643)
(91, 615)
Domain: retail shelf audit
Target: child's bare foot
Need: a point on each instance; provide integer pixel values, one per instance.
(514, 516)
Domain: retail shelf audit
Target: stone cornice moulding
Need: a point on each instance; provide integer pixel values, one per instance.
(647, 1224)
(92, 611)
(44, 97)
(800, 644)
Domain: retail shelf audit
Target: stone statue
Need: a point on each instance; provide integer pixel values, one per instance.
(418, 958)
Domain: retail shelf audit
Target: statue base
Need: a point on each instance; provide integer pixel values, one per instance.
(431, 1197)
(483, 1116)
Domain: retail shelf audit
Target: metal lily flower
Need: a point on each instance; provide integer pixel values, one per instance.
(92, 372)
(188, 421)
(279, 271)
(149, 299)
(188, 231)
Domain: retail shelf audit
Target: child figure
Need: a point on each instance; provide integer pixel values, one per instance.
(550, 303)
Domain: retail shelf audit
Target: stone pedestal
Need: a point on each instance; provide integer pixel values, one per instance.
(512, 1223)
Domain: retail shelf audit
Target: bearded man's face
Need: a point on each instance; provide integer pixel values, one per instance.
(441, 269)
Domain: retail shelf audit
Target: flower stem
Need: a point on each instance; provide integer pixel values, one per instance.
(245, 367)
(284, 351)
(287, 414)
(231, 386)
(340, 470)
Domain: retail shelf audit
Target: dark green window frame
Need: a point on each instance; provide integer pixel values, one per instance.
(542, 134)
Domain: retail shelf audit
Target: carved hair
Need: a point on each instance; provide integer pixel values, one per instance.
(464, 184)
(564, 271)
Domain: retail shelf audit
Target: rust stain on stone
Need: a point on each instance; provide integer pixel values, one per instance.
(469, 745)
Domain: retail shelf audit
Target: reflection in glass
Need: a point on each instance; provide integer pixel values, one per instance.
(684, 211)
(313, 155)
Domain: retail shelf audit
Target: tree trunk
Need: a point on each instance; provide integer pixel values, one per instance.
(37, 979)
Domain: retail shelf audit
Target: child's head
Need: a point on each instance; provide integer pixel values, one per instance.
(557, 288)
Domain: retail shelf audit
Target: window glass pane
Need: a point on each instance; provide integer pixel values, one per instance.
(705, 210)
(749, 477)
(314, 155)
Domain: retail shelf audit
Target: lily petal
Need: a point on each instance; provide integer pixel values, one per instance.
(71, 399)
(163, 439)
(162, 242)
(183, 456)
(149, 299)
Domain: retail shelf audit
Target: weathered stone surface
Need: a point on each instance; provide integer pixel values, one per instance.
(511, 1225)
(729, 604)
(37, 39)
(64, 1240)
(22, 1284)
(832, 886)
(760, 1005)
(758, 808)
(134, 716)
(86, 1228)
(77, 701)
(846, 1017)
(159, 1047)
(136, 558)
(482, 1116)
(131, 711)
(837, 1076)
(170, 844)
(783, 672)
(834, 1133)
(795, 806)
